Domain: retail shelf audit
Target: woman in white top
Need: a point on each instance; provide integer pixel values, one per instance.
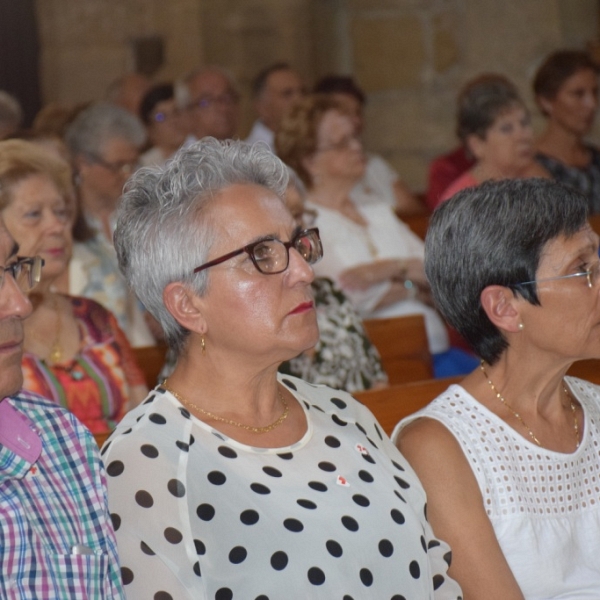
(374, 257)
(510, 457)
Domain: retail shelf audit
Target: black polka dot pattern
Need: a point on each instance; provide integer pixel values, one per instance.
(337, 514)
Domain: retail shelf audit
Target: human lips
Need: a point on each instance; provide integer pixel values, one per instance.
(10, 346)
(302, 308)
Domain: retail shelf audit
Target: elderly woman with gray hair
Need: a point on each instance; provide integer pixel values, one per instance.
(104, 141)
(231, 481)
(516, 491)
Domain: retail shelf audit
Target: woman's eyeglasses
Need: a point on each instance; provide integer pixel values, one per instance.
(271, 256)
(26, 272)
(592, 274)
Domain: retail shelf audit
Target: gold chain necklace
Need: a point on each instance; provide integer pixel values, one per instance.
(265, 429)
(520, 419)
(56, 352)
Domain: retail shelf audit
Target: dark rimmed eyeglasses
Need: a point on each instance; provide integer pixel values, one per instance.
(271, 256)
(26, 271)
(592, 274)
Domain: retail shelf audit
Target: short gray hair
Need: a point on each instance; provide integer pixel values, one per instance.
(97, 124)
(162, 233)
(494, 234)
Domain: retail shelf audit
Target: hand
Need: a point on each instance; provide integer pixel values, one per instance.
(362, 277)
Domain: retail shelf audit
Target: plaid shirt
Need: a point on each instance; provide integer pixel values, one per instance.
(56, 537)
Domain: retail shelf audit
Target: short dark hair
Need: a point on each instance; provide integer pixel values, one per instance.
(494, 234)
(340, 84)
(557, 68)
(260, 81)
(481, 101)
(156, 94)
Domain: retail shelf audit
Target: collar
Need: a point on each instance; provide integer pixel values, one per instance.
(17, 435)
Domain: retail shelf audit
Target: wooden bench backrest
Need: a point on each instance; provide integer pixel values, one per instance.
(402, 344)
(150, 360)
(393, 403)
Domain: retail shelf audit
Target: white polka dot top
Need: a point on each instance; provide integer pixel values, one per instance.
(338, 515)
(544, 505)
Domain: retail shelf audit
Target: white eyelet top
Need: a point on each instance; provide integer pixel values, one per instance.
(544, 505)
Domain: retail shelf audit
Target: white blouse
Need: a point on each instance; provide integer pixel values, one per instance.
(544, 505)
(347, 244)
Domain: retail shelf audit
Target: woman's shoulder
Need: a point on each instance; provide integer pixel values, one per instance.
(156, 422)
(450, 406)
(339, 405)
(464, 181)
(586, 392)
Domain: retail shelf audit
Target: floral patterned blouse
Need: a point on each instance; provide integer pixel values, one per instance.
(95, 384)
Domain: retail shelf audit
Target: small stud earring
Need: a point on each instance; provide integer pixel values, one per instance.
(521, 326)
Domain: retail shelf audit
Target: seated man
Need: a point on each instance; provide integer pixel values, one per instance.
(275, 89)
(56, 537)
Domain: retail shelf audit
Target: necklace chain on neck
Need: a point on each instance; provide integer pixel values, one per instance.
(56, 352)
(520, 419)
(265, 429)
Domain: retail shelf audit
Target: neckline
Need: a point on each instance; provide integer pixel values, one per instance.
(522, 439)
(246, 447)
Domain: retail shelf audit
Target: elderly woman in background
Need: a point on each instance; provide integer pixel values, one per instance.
(516, 492)
(164, 123)
(566, 91)
(231, 481)
(344, 356)
(104, 141)
(495, 126)
(74, 352)
(374, 257)
(380, 181)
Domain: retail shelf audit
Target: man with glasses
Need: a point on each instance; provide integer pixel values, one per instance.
(56, 536)
(275, 90)
(211, 102)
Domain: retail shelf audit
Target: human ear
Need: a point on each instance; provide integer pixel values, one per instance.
(500, 306)
(184, 306)
(476, 146)
(544, 104)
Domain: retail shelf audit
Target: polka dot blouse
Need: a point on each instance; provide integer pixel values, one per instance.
(337, 515)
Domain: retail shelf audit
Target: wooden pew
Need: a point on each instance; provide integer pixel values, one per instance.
(418, 224)
(393, 403)
(586, 369)
(402, 344)
(151, 360)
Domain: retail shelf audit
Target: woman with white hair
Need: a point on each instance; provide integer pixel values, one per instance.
(231, 481)
(104, 141)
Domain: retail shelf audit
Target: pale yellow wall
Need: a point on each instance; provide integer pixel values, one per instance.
(410, 55)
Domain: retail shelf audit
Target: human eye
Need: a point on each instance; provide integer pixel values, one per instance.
(62, 213)
(506, 127)
(266, 253)
(32, 214)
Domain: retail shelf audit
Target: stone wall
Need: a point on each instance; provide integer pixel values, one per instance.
(411, 56)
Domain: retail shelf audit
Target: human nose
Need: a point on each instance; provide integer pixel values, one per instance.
(298, 268)
(13, 301)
